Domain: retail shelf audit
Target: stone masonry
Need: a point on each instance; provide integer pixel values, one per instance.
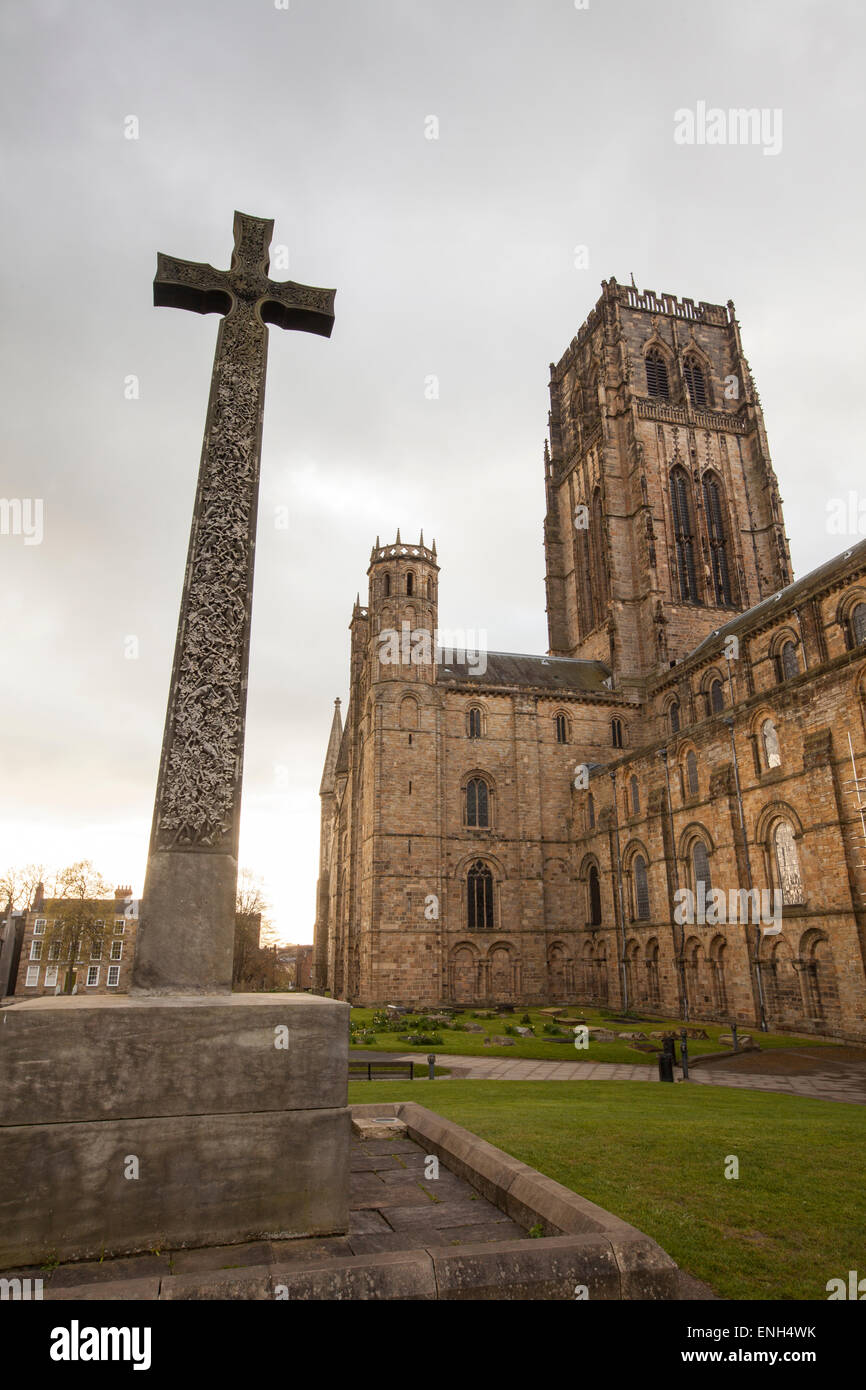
(518, 833)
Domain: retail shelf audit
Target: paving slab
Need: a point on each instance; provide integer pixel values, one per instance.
(462, 1236)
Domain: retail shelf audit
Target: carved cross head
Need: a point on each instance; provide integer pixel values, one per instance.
(245, 287)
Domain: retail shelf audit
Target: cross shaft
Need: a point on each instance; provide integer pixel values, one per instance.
(187, 917)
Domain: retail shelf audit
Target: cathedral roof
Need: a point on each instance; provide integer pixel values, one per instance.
(517, 669)
(762, 612)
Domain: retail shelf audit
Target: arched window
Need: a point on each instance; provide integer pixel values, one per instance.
(674, 717)
(616, 732)
(789, 878)
(430, 588)
(692, 773)
(479, 897)
(788, 663)
(770, 739)
(717, 697)
(652, 971)
(594, 897)
(474, 723)
(695, 381)
(410, 584)
(657, 375)
(701, 867)
(478, 803)
(601, 593)
(857, 625)
(575, 412)
(718, 543)
(592, 413)
(641, 889)
(561, 729)
(387, 586)
(635, 796)
(683, 536)
(590, 811)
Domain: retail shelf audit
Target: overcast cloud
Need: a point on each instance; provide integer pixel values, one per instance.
(452, 257)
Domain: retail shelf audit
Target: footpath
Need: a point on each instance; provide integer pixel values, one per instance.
(820, 1079)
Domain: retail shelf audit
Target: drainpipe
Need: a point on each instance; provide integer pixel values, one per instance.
(679, 950)
(748, 866)
(622, 970)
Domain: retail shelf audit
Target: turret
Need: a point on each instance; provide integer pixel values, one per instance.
(404, 610)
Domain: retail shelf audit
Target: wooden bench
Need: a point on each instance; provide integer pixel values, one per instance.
(404, 1071)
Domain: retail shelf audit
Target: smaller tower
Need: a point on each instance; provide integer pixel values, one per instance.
(404, 611)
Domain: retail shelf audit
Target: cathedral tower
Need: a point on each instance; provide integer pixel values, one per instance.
(663, 512)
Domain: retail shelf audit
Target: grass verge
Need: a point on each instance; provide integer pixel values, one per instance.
(656, 1156)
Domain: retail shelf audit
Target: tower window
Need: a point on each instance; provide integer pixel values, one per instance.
(657, 375)
(683, 536)
(695, 381)
(429, 588)
(718, 543)
(616, 732)
(594, 897)
(477, 803)
(692, 773)
(561, 729)
(772, 752)
(674, 717)
(387, 586)
(789, 666)
(717, 698)
(598, 575)
(635, 796)
(479, 897)
(787, 864)
(641, 889)
(857, 625)
(474, 721)
(590, 811)
(410, 584)
(701, 867)
(593, 412)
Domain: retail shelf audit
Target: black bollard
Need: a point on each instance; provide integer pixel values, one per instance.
(734, 1036)
(684, 1049)
(431, 1066)
(666, 1067)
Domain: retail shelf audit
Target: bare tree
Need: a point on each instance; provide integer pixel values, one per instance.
(256, 965)
(10, 887)
(249, 906)
(18, 886)
(250, 897)
(77, 928)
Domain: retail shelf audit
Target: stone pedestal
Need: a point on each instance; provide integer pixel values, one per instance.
(142, 1122)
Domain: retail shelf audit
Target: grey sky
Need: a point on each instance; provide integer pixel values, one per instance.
(452, 257)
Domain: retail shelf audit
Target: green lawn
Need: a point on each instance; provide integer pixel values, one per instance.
(543, 1048)
(655, 1155)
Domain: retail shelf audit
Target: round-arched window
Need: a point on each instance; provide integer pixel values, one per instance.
(594, 897)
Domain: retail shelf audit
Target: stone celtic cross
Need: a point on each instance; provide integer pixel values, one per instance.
(186, 934)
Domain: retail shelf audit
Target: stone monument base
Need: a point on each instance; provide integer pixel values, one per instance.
(135, 1123)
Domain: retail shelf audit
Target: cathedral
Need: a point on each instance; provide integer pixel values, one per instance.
(610, 822)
